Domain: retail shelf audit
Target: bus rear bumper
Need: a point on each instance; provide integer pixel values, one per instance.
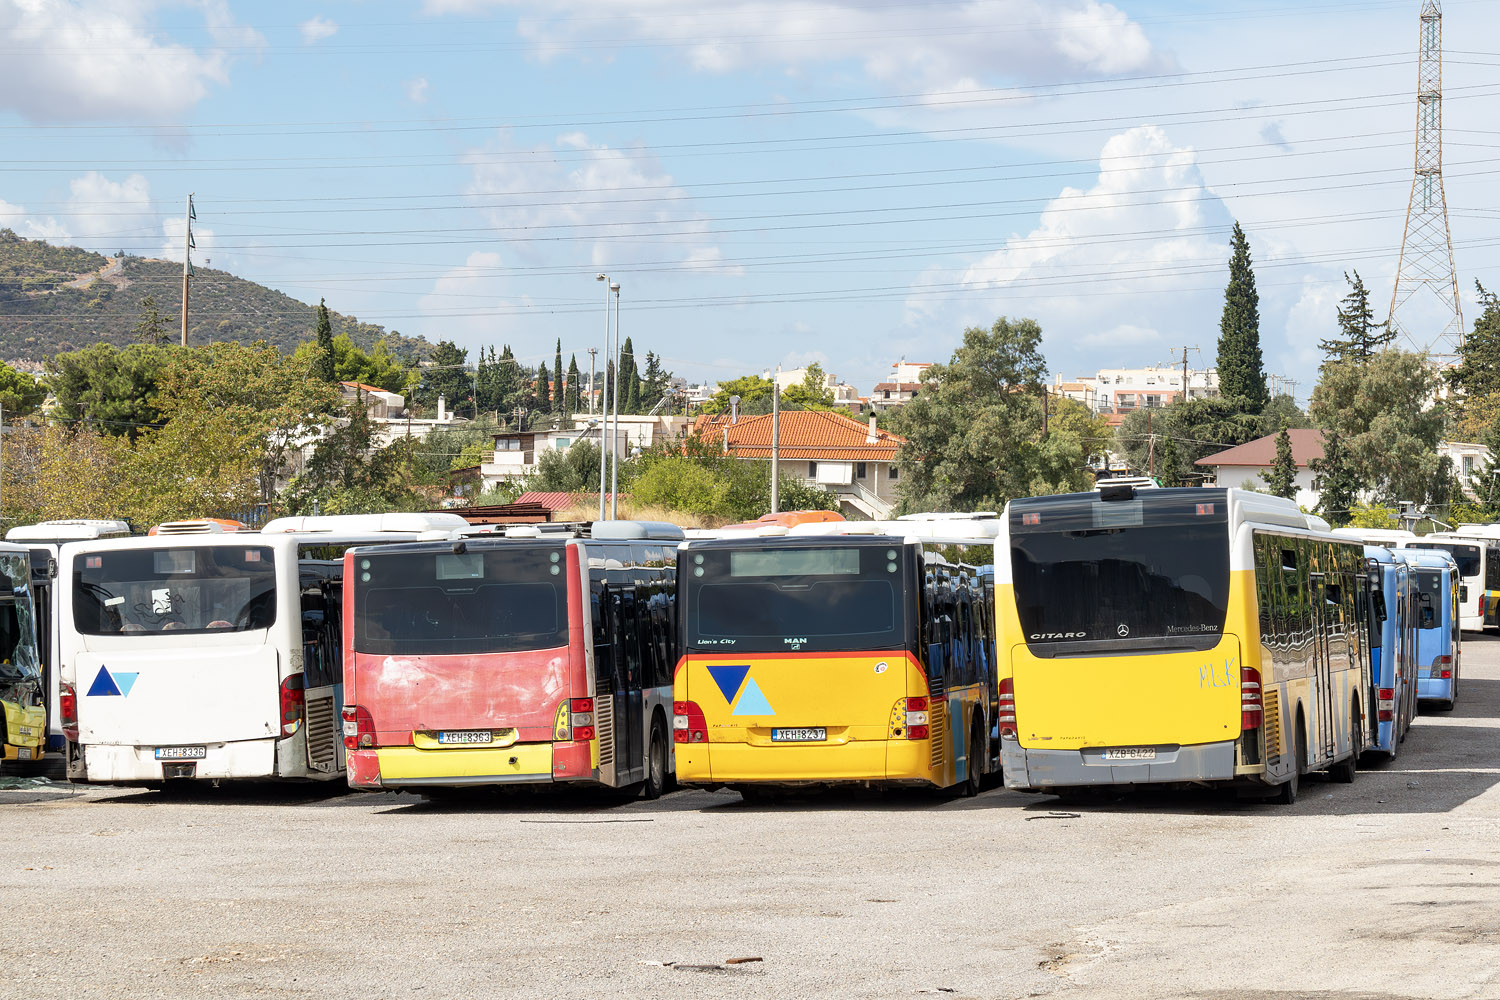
(105, 763)
(522, 763)
(715, 764)
(1043, 769)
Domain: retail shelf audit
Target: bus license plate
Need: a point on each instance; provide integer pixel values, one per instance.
(23, 753)
(799, 735)
(466, 736)
(1131, 753)
(181, 753)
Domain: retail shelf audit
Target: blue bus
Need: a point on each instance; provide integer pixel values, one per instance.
(1393, 647)
(1435, 584)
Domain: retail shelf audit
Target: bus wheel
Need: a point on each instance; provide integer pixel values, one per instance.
(656, 765)
(974, 780)
(1343, 771)
(1287, 793)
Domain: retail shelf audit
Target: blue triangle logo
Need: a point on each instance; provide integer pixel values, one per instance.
(125, 682)
(103, 684)
(752, 702)
(729, 680)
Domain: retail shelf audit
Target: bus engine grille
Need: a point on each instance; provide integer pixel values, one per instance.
(323, 734)
(937, 715)
(1271, 713)
(604, 722)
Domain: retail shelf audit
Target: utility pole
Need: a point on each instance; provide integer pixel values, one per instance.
(776, 444)
(592, 351)
(614, 406)
(187, 263)
(1186, 395)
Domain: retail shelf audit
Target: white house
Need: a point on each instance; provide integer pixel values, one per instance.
(1245, 464)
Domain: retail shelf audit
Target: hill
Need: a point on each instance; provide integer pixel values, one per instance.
(63, 298)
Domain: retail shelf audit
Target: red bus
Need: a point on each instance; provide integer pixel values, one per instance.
(538, 657)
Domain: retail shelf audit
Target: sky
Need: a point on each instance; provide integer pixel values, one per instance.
(771, 182)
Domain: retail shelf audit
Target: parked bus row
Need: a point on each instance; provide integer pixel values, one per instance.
(1121, 637)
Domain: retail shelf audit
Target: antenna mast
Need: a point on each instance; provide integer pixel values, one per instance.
(1427, 246)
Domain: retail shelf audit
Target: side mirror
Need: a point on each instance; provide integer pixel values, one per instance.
(1428, 617)
(1380, 612)
(1463, 592)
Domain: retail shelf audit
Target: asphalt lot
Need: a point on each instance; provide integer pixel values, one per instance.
(1386, 888)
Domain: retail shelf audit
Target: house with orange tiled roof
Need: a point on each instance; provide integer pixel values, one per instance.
(853, 459)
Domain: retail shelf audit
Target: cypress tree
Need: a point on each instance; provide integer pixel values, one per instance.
(573, 388)
(1169, 474)
(322, 366)
(1479, 374)
(629, 377)
(543, 393)
(1281, 479)
(560, 397)
(1242, 373)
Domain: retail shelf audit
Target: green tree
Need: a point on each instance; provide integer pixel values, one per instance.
(1381, 409)
(349, 474)
(574, 399)
(560, 394)
(812, 393)
(753, 390)
(1476, 380)
(1282, 411)
(574, 469)
(974, 434)
(1201, 427)
(150, 325)
(543, 390)
(20, 394)
(448, 377)
(1362, 338)
(1335, 480)
(1281, 479)
(322, 365)
(1242, 372)
(112, 389)
(1169, 468)
(273, 402)
(630, 387)
(656, 382)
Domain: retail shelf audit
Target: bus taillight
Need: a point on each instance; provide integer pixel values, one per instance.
(688, 723)
(916, 719)
(581, 718)
(293, 701)
(67, 702)
(359, 727)
(1251, 707)
(1387, 704)
(1443, 667)
(1005, 714)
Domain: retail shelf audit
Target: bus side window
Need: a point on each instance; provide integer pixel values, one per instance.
(1492, 569)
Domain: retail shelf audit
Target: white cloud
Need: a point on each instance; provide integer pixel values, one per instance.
(172, 232)
(476, 287)
(933, 46)
(317, 28)
(1106, 290)
(68, 60)
(99, 214)
(619, 202)
(416, 90)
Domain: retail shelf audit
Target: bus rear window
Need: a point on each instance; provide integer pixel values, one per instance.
(1430, 598)
(487, 600)
(1094, 576)
(1467, 556)
(780, 598)
(180, 589)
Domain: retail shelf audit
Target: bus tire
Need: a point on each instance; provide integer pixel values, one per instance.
(1286, 794)
(1343, 771)
(656, 764)
(974, 779)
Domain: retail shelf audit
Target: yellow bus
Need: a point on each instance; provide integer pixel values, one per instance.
(23, 715)
(825, 658)
(1178, 636)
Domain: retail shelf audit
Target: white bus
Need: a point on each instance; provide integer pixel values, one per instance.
(45, 540)
(211, 654)
(1476, 549)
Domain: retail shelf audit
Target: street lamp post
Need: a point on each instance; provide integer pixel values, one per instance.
(603, 462)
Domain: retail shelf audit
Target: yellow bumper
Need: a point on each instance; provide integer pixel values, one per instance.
(26, 730)
(855, 760)
(522, 762)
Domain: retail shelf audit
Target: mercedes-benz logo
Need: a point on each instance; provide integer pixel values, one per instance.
(1123, 630)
